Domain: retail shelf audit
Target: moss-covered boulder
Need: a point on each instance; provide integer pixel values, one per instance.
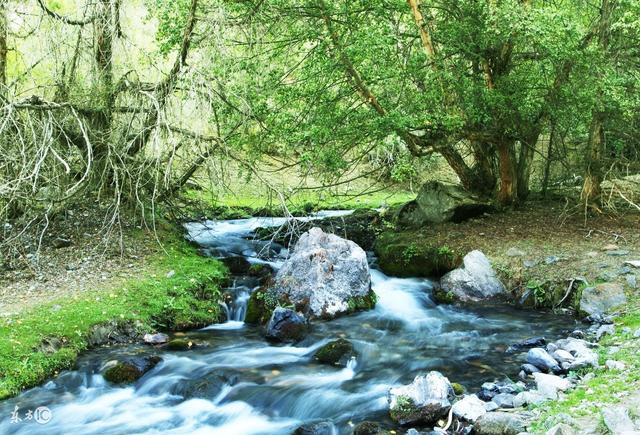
(180, 344)
(337, 352)
(260, 306)
(237, 265)
(129, 371)
(407, 254)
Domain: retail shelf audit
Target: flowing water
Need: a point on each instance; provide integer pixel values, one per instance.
(236, 383)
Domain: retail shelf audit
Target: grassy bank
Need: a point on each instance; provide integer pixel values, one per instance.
(176, 289)
(607, 387)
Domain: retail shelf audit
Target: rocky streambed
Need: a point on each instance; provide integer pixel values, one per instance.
(405, 363)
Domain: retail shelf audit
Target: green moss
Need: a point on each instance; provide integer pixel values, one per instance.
(122, 373)
(260, 306)
(187, 298)
(443, 297)
(404, 411)
(408, 254)
(458, 389)
(179, 344)
(363, 303)
(334, 352)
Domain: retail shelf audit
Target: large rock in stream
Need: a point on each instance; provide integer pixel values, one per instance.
(602, 298)
(424, 401)
(325, 276)
(474, 281)
(442, 202)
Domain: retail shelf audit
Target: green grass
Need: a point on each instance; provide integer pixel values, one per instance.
(187, 298)
(607, 386)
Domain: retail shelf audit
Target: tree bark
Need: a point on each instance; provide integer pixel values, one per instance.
(525, 163)
(105, 30)
(508, 191)
(3, 48)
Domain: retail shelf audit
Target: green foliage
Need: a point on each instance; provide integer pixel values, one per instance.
(187, 299)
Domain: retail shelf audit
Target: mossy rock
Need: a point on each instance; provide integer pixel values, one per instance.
(458, 389)
(127, 372)
(260, 306)
(236, 264)
(369, 428)
(405, 411)
(406, 254)
(337, 352)
(363, 303)
(180, 344)
(442, 297)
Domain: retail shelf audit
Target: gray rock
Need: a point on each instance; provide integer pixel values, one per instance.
(286, 325)
(526, 344)
(320, 428)
(503, 400)
(634, 263)
(368, 428)
(549, 385)
(323, 274)
(442, 202)
(515, 252)
(474, 281)
(529, 369)
(527, 398)
(615, 365)
(541, 359)
(632, 281)
(602, 298)
(617, 420)
(584, 356)
(469, 408)
(605, 330)
(158, 338)
(499, 423)
(561, 429)
(425, 400)
(618, 253)
(491, 406)
(562, 355)
(637, 333)
(551, 259)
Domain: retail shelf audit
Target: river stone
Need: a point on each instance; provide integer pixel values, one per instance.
(425, 400)
(158, 338)
(321, 428)
(503, 400)
(325, 276)
(615, 365)
(469, 408)
(562, 356)
(474, 281)
(549, 385)
(584, 356)
(337, 352)
(130, 370)
(499, 423)
(367, 428)
(617, 420)
(442, 202)
(286, 325)
(529, 368)
(527, 398)
(526, 344)
(604, 330)
(602, 298)
(541, 359)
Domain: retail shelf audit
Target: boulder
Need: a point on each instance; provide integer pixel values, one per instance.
(425, 400)
(408, 254)
(529, 368)
(503, 400)
(180, 344)
(474, 281)
(130, 370)
(584, 356)
(499, 423)
(561, 429)
(549, 385)
(542, 360)
(237, 265)
(527, 398)
(469, 408)
(602, 298)
(158, 338)
(439, 202)
(617, 420)
(286, 326)
(527, 344)
(337, 352)
(562, 356)
(325, 276)
(368, 428)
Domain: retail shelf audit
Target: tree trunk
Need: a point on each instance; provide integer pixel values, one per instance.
(508, 191)
(105, 31)
(593, 174)
(547, 165)
(483, 154)
(3, 49)
(525, 164)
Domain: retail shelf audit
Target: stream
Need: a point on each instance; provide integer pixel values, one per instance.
(235, 382)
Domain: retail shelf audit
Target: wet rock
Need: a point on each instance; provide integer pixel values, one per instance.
(561, 429)
(326, 276)
(158, 338)
(368, 428)
(180, 344)
(541, 359)
(529, 368)
(577, 334)
(237, 265)
(286, 326)
(261, 271)
(321, 428)
(115, 332)
(469, 408)
(562, 356)
(617, 420)
(337, 352)
(598, 319)
(425, 400)
(526, 344)
(129, 371)
(260, 306)
(602, 298)
(604, 330)
(491, 406)
(488, 391)
(474, 281)
(442, 202)
(549, 385)
(527, 398)
(503, 400)
(499, 423)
